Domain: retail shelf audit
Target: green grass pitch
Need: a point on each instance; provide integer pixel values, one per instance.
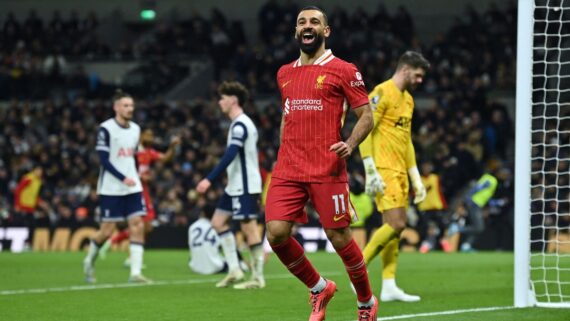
(49, 286)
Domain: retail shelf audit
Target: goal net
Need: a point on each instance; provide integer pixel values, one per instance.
(543, 211)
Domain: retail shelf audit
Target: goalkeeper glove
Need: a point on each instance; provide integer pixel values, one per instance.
(419, 188)
(374, 182)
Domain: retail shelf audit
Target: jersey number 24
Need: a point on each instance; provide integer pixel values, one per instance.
(199, 238)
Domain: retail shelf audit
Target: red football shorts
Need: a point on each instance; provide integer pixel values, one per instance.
(150, 213)
(286, 202)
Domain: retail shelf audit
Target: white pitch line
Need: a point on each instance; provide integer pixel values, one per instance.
(130, 285)
(450, 312)
(212, 280)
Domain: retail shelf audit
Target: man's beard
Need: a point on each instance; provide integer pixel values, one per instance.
(410, 86)
(310, 48)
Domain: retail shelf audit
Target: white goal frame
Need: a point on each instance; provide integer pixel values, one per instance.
(524, 295)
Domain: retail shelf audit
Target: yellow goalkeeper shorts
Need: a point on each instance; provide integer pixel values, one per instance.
(396, 191)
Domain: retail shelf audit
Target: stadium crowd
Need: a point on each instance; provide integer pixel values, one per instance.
(462, 130)
(32, 50)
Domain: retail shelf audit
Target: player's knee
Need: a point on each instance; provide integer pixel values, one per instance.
(398, 225)
(106, 230)
(277, 233)
(252, 235)
(136, 226)
(339, 238)
(105, 234)
(396, 218)
(276, 237)
(220, 228)
(220, 223)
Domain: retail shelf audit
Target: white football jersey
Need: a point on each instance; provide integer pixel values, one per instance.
(243, 171)
(204, 246)
(121, 143)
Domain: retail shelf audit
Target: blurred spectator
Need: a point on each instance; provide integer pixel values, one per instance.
(433, 216)
(471, 211)
(501, 210)
(172, 207)
(269, 18)
(90, 206)
(4, 181)
(54, 66)
(65, 216)
(27, 198)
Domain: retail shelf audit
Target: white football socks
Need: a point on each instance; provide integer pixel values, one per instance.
(258, 260)
(228, 242)
(366, 304)
(136, 250)
(389, 284)
(320, 286)
(92, 253)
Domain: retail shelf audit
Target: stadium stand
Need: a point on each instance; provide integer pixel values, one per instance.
(52, 103)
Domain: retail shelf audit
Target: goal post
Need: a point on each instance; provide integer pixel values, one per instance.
(542, 155)
(522, 297)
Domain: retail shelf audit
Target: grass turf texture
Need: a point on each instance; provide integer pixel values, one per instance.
(445, 282)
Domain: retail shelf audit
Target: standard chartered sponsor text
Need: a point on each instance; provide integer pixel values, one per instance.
(307, 104)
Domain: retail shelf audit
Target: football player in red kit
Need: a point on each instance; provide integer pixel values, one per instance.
(317, 90)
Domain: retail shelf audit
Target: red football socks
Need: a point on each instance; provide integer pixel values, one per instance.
(354, 263)
(292, 255)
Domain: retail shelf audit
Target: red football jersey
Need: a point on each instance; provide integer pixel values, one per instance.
(145, 158)
(314, 101)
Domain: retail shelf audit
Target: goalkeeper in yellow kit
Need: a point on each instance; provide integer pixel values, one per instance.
(389, 159)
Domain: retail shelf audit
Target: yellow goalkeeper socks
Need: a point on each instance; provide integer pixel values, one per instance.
(390, 259)
(378, 241)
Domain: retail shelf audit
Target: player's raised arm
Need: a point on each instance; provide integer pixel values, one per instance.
(169, 154)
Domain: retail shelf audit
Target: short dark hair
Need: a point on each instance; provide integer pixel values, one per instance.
(413, 59)
(326, 22)
(120, 94)
(234, 88)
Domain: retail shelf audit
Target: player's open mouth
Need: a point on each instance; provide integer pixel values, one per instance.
(309, 37)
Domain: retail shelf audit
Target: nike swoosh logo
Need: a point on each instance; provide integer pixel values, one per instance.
(285, 84)
(338, 218)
